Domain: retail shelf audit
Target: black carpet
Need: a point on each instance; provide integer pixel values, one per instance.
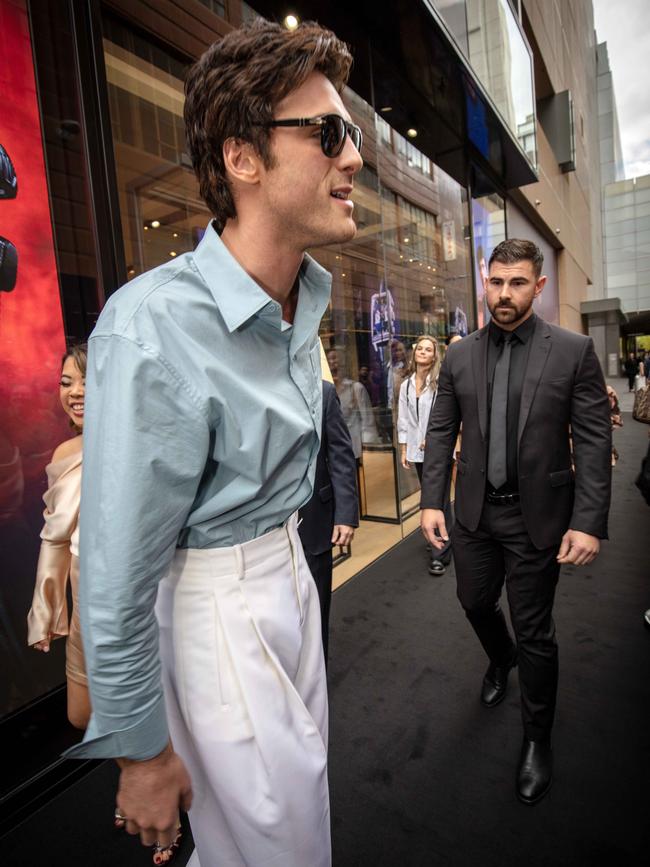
(423, 776)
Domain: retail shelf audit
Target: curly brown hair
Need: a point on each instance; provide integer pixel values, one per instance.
(236, 85)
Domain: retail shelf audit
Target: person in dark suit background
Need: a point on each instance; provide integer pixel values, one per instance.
(525, 503)
(332, 513)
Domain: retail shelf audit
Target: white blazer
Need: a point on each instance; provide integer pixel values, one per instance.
(412, 419)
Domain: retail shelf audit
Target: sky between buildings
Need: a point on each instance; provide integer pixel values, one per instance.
(625, 26)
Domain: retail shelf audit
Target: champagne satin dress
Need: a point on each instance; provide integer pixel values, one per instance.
(58, 561)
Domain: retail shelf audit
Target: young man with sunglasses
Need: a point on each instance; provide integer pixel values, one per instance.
(203, 423)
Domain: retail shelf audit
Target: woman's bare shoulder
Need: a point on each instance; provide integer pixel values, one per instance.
(67, 448)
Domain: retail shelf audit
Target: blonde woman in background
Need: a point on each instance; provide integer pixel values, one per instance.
(417, 395)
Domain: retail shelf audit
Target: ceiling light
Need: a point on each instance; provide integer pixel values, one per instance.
(406, 240)
(172, 253)
(291, 22)
(386, 108)
(146, 228)
(175, 234)
(155, 224)
(342, 273)
(411, 132)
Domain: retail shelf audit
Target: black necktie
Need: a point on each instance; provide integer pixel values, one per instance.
(497, 460)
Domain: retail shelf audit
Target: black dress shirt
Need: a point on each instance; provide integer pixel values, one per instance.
(518, 360)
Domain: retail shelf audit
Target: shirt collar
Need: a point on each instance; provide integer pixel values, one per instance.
(239, 297)
(522, 332)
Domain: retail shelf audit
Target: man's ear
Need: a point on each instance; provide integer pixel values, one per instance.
(241, 161)
(540, 285)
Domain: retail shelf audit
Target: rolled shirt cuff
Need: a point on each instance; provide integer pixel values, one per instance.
(142, 741)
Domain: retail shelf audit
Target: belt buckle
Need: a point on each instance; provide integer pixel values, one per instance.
(503, 499)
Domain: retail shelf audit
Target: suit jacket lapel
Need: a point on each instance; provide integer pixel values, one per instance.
(541, 346)
(479, 365)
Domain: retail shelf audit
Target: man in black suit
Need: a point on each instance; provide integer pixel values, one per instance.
(330, 516)
(532, 489)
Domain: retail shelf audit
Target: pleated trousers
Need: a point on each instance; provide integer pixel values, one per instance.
(246, 697)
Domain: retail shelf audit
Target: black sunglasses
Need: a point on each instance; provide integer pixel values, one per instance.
(333, 131)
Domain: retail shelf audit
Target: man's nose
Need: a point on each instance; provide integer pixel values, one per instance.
(351, 159)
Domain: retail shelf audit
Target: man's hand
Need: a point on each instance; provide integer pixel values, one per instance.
(403, 460)
(578, 548)
(430, 521)
(150, 795)
(342, 534)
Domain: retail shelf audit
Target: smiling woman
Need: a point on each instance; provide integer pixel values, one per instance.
(59, 556)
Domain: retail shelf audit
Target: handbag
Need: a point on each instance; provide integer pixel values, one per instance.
(641, 409)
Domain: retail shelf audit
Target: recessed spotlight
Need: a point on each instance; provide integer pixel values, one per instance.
(291, 22)
(175, 235)
(146, 228)
(411, 132)
(155, 224)
(342, 273)
(386, 108)
(172, 253)
(406, 240)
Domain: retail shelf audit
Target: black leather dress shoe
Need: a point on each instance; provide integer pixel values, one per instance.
(535, 773)
(495, 683)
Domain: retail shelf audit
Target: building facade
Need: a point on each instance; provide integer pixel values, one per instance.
(618, 318)
(479, 123)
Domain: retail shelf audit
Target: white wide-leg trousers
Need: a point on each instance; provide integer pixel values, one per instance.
(246, 697)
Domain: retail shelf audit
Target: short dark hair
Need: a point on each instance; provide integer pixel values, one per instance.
(516, 250)
(233, 89)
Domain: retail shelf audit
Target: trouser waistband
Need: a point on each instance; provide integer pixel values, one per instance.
(237, 558)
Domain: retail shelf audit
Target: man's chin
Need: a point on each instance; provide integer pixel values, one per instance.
(506, 315)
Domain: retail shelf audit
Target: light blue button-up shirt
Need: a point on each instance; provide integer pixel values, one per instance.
(201, 430)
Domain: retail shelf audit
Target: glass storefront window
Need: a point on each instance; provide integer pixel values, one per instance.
(161, 211)
(489, 229)
(46, 220)
(500, 57)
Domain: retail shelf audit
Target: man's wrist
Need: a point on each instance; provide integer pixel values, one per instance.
(162, 757)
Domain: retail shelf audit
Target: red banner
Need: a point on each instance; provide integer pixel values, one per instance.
(31, 325)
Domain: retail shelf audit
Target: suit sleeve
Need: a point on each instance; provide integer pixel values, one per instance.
(342, 464)
(591, 431)
(444, 423)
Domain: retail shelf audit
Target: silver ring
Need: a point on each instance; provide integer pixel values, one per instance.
(119, 816)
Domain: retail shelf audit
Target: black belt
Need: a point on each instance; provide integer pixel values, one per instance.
(502, 499)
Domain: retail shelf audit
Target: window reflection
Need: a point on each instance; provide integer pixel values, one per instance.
(501, 59)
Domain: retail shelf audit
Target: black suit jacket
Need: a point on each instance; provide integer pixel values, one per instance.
(335, 499)
(563, 394)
